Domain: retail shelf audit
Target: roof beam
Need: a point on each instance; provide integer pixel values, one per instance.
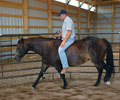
(110, 1)
(68, 1)
(82, 3)
(93, 3)
(107, 1)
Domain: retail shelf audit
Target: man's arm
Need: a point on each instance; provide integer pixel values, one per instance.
(69, 32)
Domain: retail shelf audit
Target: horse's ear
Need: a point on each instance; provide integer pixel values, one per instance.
(21, 41)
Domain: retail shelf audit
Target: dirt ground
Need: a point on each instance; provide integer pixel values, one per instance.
(80, 87)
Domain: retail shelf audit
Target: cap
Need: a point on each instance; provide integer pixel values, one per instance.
(62, 11)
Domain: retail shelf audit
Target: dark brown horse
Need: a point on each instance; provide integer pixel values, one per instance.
(81, 51)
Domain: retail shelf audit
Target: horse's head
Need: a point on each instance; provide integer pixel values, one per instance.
(21, 50)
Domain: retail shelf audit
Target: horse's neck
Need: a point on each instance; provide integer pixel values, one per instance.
(34, 46)
(40, 45)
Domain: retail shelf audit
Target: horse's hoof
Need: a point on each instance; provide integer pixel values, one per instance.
(32, 88)
(95, 84)
(105, 80)
(64, 87)
(43, 78)
(108, 82)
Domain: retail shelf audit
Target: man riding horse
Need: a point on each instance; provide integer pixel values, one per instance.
(68, 38)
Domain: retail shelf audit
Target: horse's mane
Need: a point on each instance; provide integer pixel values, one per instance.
(50, 39)
(43, 38)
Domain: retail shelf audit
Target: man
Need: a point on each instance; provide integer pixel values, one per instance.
(68, 37)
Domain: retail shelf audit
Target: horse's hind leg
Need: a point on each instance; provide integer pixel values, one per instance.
(59, 68)
(100, 70)
(43, 70)
(107, 74)
(97, 59)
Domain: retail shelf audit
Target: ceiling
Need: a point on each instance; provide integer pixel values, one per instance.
(99, 2)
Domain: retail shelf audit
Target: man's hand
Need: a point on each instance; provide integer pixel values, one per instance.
(55, 36)
(62, 44)
(59, 35)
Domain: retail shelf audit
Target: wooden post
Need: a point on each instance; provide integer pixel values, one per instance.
(119, 51)
(50, 16)
(95, 30)
(88, 28)
(79, 27)
(113, 16)
(25, 16)
(66, 8)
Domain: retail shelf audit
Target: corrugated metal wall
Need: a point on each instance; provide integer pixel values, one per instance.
(117, 20)
(37, 22)
(37, 13)
(17, 1)
(7, 21)
(75, 19)
(56, 22)
(11, 21)
(105, 21)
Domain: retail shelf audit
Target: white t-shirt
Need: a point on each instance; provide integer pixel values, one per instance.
(68, 25)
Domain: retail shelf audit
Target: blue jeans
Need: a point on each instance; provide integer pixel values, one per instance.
(62, 53)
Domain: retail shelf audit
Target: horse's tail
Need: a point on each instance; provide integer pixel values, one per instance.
(109, 58)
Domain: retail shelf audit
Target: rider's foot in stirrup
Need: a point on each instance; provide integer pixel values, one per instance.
(64, 70)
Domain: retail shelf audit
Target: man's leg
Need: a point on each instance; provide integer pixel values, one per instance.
(63, 56)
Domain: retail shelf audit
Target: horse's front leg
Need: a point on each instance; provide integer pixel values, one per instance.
(43, 70)
(59, 68)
